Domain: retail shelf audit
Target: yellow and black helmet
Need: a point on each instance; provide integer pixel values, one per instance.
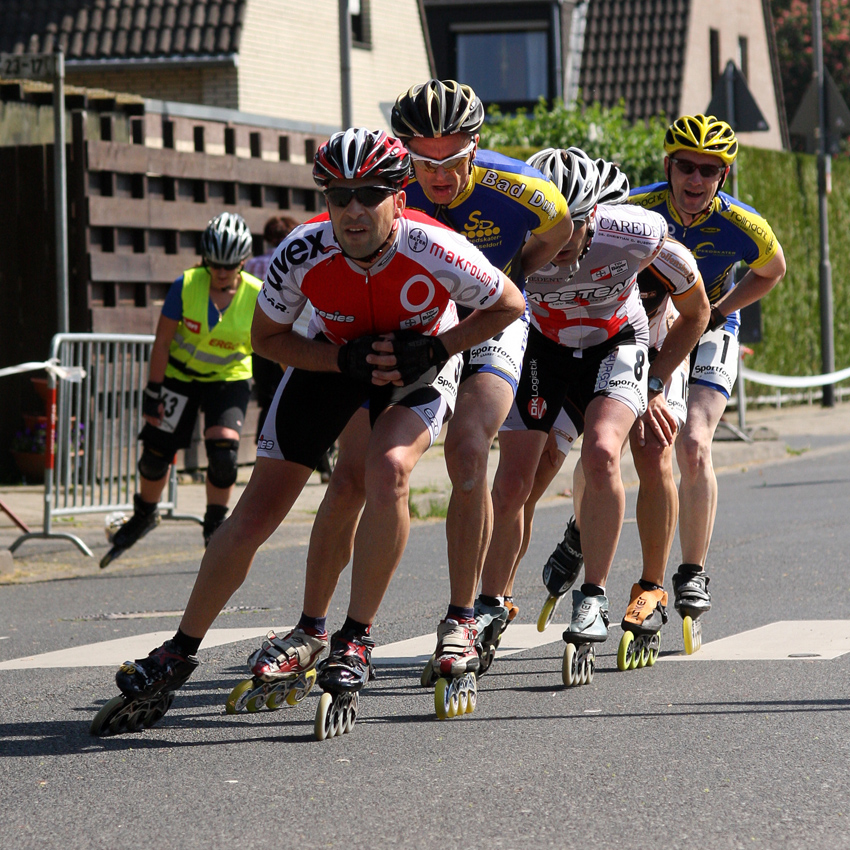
(703, 134)
(435, 109)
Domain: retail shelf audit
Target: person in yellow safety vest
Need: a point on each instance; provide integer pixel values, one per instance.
(201, 360)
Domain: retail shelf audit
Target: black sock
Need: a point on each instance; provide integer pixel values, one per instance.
(492, 601)
(352, 627)
(187, 645)
(648, 585)
(313, 625)
(216, 512)
(592, 590)
(689, 570)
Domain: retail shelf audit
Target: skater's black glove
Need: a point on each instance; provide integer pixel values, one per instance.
(715, 320)
(351, 358)
(151, 399)
(416, 353)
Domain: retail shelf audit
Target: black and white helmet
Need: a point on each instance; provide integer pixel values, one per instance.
(575, 174)
(615, 184)
(435, 109)
(227, 240)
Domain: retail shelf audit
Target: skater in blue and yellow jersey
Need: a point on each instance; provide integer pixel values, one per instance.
(720, 231)
(518, 220)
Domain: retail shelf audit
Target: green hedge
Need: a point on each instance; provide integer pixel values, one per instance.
(783, 188)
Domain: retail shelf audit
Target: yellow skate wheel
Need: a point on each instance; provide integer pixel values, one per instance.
(472, 695)
(642, 656)
(570, 672)
(302, 687)
(100, 725)
(692, 633)
(236, 701)
(324, 727)
(626, 652)
(445, 699)
(462, 702)
(547, 612)
(653, 648)
(428, 673)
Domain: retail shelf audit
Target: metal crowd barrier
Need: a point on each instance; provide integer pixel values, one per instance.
(92, 437)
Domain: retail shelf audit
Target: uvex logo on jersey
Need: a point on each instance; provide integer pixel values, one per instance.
(294, 253)
(515, 190)
(192, 325)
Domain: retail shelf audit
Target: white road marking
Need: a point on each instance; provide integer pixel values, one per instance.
(788, 640)
(517, 638)
(111, 653)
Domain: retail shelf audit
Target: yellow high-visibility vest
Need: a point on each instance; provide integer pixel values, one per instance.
(223, 353)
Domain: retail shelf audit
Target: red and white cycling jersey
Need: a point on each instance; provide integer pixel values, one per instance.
(672, 275)
(592, 301)
(414, 285)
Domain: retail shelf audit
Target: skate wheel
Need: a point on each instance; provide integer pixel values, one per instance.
(641, 652)
(238, 696)
(590, 664)
(652, 649)
(428, 678)
(472, 695)
(350, 716)
(547, 612)
(692, 634)
(462, 702)
(626, 652)
(100, 725)
(445, 699)
(303, 686)
(323, 727)
(570, 673)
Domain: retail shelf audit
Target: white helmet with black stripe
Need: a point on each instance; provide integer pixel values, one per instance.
(227, 240)
(575, 174)
(614, 183)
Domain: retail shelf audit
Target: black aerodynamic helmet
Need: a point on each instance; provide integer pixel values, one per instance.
(354, 153)
(437, 108)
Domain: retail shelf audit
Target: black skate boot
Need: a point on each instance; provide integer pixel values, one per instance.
(341, 675)
(147, 688)
(692, 599)
(213, 518)
(560, 572)
(145, 518)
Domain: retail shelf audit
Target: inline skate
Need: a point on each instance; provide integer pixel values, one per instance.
(490, 624)
(692, 600)
(560, 572)
(147, 688)
(452, 668)
(283, 672)
(341, 676)
(646, 614)
(589, 626)
(123, 535)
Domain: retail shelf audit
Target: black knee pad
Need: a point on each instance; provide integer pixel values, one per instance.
(154, 463)
(221, 462)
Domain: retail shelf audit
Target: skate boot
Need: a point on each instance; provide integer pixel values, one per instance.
(145, 518)
(588, 627)
(213, 518)
(455, 663)
(490, 624)
(646, 614)
(690, 587)
(147, 688)
(341, 675)
(513, 611)
(284, 671)
(560, 572)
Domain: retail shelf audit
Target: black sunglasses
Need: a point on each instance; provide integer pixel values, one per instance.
(220, 266)
(688, 167)
(368, 196)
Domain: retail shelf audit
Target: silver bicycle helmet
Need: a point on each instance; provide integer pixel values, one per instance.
(356, 153)
(227, 240)
(614, 183)
(575, 174)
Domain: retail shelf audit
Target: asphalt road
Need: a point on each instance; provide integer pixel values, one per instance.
(718, 750)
